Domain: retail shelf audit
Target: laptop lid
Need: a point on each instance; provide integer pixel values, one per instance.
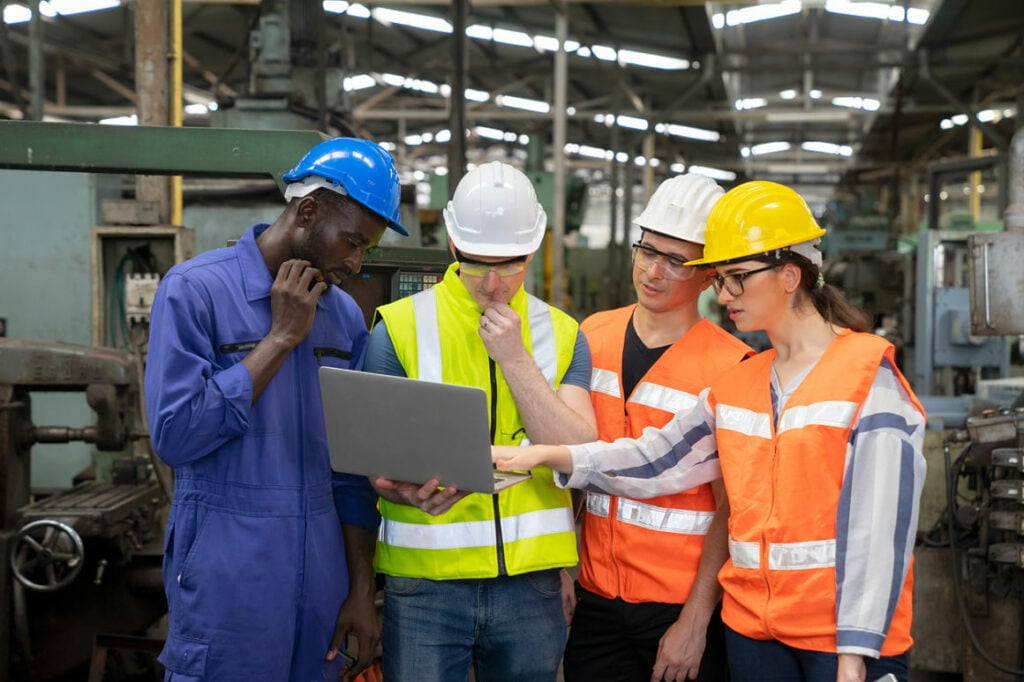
(409, 430)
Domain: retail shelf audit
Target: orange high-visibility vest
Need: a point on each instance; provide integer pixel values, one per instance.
(784, 483)
(648, 550)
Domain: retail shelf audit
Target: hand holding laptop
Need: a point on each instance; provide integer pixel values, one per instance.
(429, 497)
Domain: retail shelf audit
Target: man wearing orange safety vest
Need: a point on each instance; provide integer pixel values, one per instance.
(642, 560)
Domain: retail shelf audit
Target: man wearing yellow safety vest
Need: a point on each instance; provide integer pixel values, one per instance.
(474, 580)
(642, 560)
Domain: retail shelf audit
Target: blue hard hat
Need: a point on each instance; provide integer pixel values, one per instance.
(360, 169)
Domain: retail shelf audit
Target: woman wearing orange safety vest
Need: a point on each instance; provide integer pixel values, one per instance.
(818, 441)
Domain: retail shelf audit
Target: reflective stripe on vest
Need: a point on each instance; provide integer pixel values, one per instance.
(428, 338)
(663, 398)
(785, 556)
(603, 381)
(837, 413)
(636, 513)
(467, 534)
(742, 420)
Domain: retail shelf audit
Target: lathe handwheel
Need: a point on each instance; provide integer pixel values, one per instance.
(46, 555)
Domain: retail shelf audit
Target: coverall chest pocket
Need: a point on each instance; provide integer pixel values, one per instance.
(328, 356)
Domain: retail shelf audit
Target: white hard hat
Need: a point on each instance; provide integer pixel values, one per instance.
(495, 212)
(680, 206)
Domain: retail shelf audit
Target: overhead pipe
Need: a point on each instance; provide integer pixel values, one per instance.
(558, 153)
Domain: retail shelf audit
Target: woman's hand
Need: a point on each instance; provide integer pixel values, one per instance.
(851, 668)
(513, 458)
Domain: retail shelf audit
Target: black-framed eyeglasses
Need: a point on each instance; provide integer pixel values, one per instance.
(478, 268)
(734, 283)
(673, 267)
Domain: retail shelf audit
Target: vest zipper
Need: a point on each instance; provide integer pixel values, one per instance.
(499, 541)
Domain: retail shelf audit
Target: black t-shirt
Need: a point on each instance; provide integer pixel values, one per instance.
(637, 358)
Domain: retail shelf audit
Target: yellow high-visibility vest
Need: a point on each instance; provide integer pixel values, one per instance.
(435, 337)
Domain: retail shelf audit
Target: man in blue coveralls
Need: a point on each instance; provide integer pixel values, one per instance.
(260, 533)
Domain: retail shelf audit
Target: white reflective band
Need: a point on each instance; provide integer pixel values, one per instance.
(603, 381)
(744, 421)
(542, 338)
(785, 556)
(537, 523)
(745, 554)
(663, 398)
(838, 413)
(598, 503)
(683, 521)
(437, 535)
(428, 336)
(475, 533)
(794, 556)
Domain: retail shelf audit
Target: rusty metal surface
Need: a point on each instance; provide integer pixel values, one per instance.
(62, 366)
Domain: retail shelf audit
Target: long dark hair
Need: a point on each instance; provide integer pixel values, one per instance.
(827, 300)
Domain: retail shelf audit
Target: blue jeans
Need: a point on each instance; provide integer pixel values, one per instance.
(769, 660)
(508, 629)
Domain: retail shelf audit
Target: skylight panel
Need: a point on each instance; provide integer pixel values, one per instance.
(755, 13)
(422, 21)
(882, 11)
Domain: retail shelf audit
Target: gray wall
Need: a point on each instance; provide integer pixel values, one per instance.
(46, 291)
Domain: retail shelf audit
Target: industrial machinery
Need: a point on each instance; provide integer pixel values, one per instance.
(84, 562)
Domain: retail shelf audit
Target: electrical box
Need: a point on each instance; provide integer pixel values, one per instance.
(127, 265)
(996, 281)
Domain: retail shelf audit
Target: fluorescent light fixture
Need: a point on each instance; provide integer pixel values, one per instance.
(522, 103)
(503, 35)
(358, 82)
(827, 148)
(946, 124)
(80, 6)
(713, 173)
(545, 43)
(814, 94)
(754, 13)
(388, 145)
(593, 152)
(489, 133)
(798, 168)
(443, 136)
(422, 21)
(987, 116)
(196, 109)
(524, 139)
(132, 120)
(479, 32)
(653, 61)
(393, 79)
(788, 94)
(17, 14)
(769, 148)
(441, 170)
(865, 103)
(509, 136)
(750, 103)
(883, 11)
(335, 6)
(413, 140)
(622, 157)
(688, 132)
(583, 51)
(631, 122)
(476, 95)
(358, 11)
(639, 161)
(677, 168)
(604, 53)
(959, 119)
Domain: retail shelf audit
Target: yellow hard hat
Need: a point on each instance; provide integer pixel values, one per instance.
(754, 218)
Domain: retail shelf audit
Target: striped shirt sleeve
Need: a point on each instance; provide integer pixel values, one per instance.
(876, 521)
(678, 456)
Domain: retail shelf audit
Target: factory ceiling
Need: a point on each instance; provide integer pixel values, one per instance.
(809, 92)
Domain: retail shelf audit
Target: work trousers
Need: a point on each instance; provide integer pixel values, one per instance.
(611, 640)
(769, 660)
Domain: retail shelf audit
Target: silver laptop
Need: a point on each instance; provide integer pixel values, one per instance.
(410, 430)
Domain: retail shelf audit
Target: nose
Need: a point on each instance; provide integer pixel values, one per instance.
(491, 281)
(724, 296)
(354, 260)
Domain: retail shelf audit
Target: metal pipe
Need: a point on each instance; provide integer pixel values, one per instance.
(1013, 218)
(558, 153)
(457, 115)
(36, 68)
(176, 101)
